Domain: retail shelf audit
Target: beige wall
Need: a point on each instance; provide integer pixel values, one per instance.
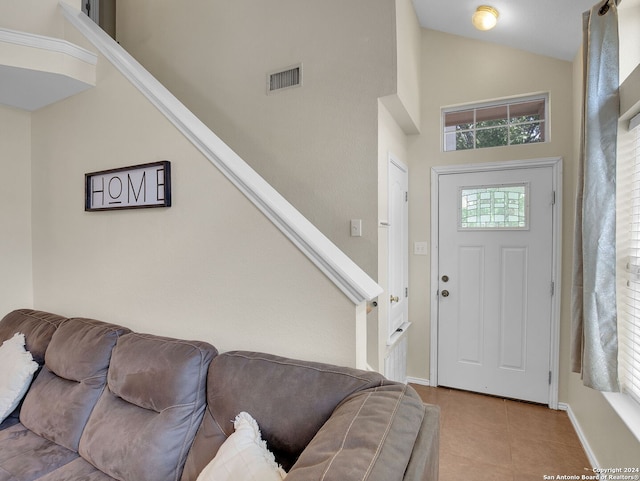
(629, 28)
(34, 16)
(108, 16)
(404, 102)
(317, 145)
(15, 210)
(408, 35)
(210, 267)
(457, 71)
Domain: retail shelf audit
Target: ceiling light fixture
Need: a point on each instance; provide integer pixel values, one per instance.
(485, 17)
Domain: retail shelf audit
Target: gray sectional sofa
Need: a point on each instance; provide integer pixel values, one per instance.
(112, 404)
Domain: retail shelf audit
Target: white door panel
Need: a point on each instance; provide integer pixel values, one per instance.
(398, 245)
(494, 315)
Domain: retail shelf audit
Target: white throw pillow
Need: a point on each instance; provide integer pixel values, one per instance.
(243, 456)
(16, 372)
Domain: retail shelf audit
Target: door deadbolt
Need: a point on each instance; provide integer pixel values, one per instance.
(444, 293)
(445, 278)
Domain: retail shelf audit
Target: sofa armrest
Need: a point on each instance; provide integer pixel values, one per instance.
(424, 462)
(370, 436)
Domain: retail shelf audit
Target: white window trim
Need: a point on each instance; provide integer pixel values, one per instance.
(627, 409)
(494, 103)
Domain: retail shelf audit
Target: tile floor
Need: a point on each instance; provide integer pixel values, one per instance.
(488, 438)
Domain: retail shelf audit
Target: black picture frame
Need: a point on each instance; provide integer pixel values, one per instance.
(141, 186)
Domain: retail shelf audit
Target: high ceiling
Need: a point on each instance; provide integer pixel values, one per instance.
(546, 27)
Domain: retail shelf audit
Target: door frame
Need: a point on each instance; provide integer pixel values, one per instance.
(556, 164)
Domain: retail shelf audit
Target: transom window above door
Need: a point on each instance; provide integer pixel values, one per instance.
(515, 121)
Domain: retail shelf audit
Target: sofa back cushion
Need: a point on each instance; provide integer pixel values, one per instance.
(37, 327)
(290, 400)
(145, 421)
(73, 377)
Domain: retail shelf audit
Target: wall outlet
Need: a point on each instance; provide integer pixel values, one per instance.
(356, 227)
(421, 248)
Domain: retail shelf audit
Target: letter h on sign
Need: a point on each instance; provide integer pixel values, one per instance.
(139, 186)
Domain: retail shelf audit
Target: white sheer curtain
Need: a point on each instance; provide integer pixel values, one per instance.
(594, 325)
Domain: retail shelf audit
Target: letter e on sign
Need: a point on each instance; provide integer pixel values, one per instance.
(136, 187)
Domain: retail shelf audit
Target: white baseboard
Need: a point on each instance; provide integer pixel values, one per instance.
(583, 439)
(417, 380)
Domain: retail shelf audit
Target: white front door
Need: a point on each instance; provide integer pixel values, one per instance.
(495, 276)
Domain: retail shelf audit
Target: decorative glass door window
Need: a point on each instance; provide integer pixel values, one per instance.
(494, 207)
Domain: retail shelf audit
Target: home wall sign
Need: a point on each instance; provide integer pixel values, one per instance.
(135, 187)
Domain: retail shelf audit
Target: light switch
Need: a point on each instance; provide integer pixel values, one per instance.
(356, 227)
(421, 248)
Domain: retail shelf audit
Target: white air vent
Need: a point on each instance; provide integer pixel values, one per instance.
(284, 79)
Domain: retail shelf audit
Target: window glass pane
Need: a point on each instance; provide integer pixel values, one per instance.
(461, 120)
(526, 133)
(493, 207)
(491, 116)
(492, 137)
(459, 140)
(527, 111)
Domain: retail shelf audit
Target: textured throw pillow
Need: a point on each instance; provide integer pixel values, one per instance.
(16, 373)
(243, 456)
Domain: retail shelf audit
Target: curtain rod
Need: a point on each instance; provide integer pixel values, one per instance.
(605, 7)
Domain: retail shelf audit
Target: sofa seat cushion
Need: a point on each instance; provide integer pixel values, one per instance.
(25, 456)
(142, 427)
(370, 437)
(65, 392)
(76, 470)
(290, 399)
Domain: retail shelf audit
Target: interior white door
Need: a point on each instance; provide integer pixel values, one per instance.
(495, 282)
(398, 245)
(92, 9)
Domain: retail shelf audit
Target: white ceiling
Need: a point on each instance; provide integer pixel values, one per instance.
(30, 89)
(546, 27)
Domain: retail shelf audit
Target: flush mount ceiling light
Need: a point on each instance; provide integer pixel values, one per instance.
(485, 17)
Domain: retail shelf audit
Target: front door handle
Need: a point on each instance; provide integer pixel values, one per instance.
(445, 293)
(394, 299)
